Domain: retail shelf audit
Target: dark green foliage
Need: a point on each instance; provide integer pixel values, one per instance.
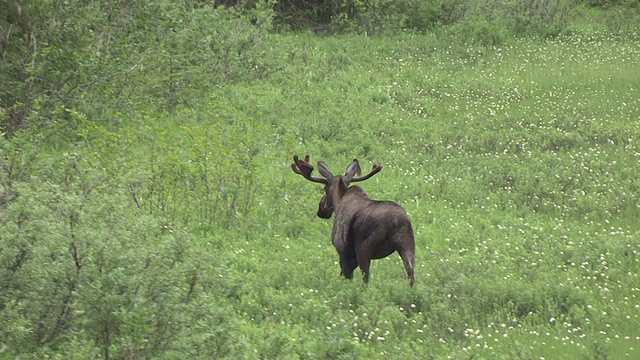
(52, 52)
(608, 3)
(148, 208)
(75, 263)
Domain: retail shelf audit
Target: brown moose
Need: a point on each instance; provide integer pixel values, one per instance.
(363, 229)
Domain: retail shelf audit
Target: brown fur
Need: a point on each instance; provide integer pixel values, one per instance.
(363, 229)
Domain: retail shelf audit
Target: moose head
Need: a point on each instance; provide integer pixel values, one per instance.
(363, 229)
(335, 186)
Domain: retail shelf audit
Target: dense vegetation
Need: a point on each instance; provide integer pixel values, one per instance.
(148, 208)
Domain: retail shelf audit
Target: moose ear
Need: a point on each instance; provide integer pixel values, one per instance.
(353, 169)
(324, 170)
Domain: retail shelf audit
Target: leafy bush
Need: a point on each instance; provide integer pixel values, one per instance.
(479, 31)
(77, 265)
(164, 41)
(389, 17)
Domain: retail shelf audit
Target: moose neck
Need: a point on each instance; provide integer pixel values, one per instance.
(343, 197)
(337, 189)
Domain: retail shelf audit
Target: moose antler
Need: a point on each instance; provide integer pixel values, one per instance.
(304, 168)
(376, 168)
(297, 164)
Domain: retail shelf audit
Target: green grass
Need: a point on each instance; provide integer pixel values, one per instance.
(518, 166)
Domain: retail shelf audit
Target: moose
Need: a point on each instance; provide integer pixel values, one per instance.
(363, 229)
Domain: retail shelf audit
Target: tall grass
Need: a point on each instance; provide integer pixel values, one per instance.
(517, 164)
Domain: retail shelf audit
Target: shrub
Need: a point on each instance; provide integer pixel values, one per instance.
(80, 268)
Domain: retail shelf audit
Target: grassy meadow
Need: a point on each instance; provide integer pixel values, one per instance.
(145, 224)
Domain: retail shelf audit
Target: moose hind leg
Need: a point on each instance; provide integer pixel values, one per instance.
(408, 258)
(347, 266)
(364, 263)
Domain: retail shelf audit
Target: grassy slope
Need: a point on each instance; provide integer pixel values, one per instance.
(518, 166)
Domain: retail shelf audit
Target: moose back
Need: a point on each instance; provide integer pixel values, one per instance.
(363, 229)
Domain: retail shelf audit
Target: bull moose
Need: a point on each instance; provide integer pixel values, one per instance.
(363, 229)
